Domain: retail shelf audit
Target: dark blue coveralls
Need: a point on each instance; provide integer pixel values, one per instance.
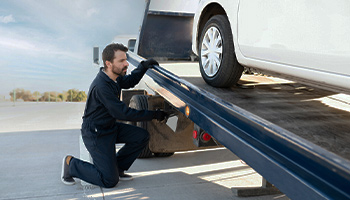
(100, 131)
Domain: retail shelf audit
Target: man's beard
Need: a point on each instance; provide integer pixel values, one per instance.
(121, 73)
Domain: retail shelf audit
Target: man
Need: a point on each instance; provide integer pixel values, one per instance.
(100, 131)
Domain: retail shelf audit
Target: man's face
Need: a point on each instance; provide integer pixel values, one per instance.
(119, 65)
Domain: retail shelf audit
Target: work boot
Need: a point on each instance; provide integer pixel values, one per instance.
(65, 177)
(124, 177)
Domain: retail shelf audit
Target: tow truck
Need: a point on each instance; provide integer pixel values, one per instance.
(295, 135)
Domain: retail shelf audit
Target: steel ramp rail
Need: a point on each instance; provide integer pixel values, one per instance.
(297, 167)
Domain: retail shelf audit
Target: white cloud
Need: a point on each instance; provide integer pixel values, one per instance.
(16, 44)
(91, 12)
(35, 47)
(7, 19)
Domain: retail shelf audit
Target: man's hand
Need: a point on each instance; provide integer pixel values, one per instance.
(149, 63)
(160, 115)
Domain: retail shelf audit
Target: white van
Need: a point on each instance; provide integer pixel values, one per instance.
(306, 39)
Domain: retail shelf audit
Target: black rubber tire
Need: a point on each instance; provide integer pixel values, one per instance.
(163, 154)
(230, 70)
(140, 102)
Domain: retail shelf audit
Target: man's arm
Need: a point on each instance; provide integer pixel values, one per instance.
(120, 111)
(134, 78)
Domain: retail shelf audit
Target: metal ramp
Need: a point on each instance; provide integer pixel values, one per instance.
(297, 167)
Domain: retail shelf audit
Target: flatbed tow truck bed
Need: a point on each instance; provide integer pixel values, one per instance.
(295, 136)
(317, 115)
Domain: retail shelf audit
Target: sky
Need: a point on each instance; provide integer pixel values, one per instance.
(47, 45)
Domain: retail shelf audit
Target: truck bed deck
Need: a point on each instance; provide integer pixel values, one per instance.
(320, 116)
(317, 115)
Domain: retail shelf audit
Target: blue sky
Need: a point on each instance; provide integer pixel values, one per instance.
(47, 45)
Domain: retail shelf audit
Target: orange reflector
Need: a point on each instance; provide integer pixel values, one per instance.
(187, 111)
(195, 134)
(206, 137)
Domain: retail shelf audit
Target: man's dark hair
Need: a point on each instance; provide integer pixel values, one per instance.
(108, 52)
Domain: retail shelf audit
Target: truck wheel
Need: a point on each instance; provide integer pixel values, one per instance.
(217, 60)
(140, 102)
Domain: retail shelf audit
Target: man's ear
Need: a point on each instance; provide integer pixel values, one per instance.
(108, 63)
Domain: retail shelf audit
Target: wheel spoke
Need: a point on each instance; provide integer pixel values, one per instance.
(205, 43)
(216, 57)
(216, 35)
(205, 52)
(211, 35)
(218, 41)
(216, 60)
(211, 66)
(205, 62)
(218, 50)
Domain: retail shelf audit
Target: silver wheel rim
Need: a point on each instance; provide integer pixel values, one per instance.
(211, 51)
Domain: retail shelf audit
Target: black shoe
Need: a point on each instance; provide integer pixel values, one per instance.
(124, 177)
(65, 177)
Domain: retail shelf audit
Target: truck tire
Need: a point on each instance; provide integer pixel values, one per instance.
(140, 102)
(217, 60)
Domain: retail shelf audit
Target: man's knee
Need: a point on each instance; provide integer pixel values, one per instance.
(110, 183)
(109, 174)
